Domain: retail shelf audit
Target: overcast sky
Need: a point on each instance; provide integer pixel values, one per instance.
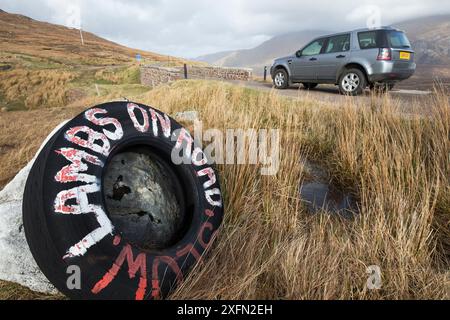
(188, 28)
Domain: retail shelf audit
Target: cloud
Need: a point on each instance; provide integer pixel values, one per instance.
(189, 28)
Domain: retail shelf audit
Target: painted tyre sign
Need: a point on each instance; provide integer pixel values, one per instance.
(67, 222)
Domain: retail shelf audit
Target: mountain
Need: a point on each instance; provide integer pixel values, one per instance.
(430, 37)
(20, 34)
(47, 65)
(263, 54)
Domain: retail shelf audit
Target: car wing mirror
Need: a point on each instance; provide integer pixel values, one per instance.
(298, 54)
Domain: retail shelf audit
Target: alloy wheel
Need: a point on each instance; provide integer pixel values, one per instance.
(350, 82)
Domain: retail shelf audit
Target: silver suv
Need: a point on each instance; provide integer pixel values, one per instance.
(352, 60)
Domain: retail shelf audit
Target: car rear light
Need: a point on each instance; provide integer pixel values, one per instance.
(384, 54)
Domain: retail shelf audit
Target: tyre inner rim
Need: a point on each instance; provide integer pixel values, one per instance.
(279, 79)
(350, 82)
(143, 199)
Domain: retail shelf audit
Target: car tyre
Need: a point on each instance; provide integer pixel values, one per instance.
(67, 222)
(352, 82)
(281, 79)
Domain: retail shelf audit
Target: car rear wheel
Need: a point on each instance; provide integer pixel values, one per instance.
(309, 86)
(352, 82)
(281, 80)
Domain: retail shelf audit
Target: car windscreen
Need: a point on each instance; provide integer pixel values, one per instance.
(397, 40)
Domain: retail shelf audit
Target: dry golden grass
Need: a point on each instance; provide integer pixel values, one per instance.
(46, 65)
(36, 88)
(269, 247)
(119, 76)
(21, 135)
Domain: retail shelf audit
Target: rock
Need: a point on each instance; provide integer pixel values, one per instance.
(187, 116)
(140, 195)
(16, 262)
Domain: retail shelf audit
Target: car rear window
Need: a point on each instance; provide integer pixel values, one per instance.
(383, 39)
(398, 40)
(370, 39)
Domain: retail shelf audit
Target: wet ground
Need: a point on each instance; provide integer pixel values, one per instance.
(318, 194)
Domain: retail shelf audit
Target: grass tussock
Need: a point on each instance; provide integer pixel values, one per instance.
(124, 75)
(269, 247)
(35, 88)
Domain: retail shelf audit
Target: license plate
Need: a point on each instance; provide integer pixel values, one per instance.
(405, 55)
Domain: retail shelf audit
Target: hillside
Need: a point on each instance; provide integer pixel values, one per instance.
(430, 37)
(62, 45)
(263, 54)
(46, 65)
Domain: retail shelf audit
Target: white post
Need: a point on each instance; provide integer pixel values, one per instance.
(81, 36)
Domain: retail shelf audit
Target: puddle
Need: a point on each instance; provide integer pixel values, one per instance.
(5, 67)
(318, 194)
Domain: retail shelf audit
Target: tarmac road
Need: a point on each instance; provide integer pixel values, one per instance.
(409, 101)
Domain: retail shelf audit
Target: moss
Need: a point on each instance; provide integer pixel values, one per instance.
(13, 291)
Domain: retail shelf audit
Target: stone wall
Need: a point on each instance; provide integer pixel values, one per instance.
(154, 75)
(197, 72)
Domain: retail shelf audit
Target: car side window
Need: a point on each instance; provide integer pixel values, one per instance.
(313, 48)
(339, 43)
(368, 40)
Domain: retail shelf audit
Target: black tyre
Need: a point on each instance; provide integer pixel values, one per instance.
(309, 85)
(66, 214)
(281, 79)
(352, 82)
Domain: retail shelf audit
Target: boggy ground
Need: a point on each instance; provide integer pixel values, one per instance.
(396, 167)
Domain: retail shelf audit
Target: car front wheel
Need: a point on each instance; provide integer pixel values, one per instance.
(352, 82)
(280, 80)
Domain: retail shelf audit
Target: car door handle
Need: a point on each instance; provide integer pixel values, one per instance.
(289, 61)
(313, 59)
(340, 56)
